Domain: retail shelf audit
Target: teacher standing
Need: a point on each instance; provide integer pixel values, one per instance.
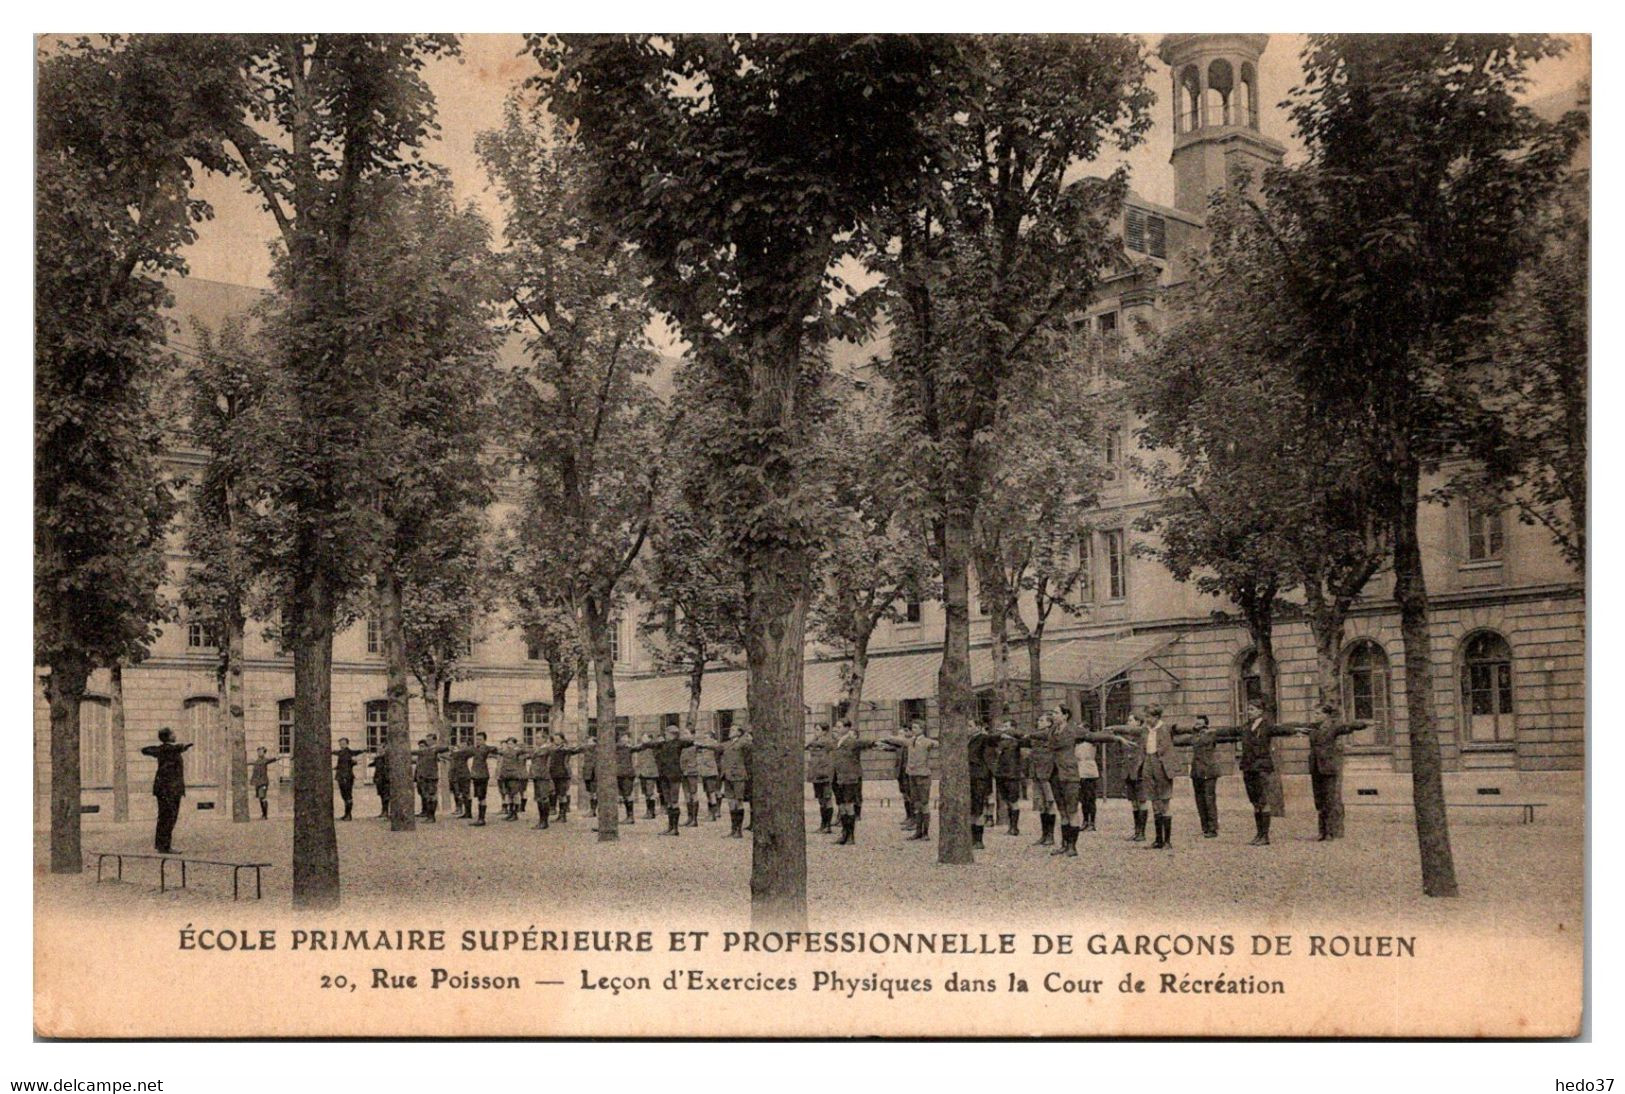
(168, 786)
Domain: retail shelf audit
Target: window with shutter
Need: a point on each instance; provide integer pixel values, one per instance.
(1134, 229)
(1156, 230)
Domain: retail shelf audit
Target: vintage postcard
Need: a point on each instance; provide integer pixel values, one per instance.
(707, 535)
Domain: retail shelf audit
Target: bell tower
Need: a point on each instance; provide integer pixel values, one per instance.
(1215, 99)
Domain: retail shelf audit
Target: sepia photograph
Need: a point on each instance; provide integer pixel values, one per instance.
(810, 535)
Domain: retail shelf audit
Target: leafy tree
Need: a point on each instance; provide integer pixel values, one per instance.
(117, 134)
(1532, 446)
(876, 552)
(315, 122)
(984, 263)
(692, 592)
(590, 431)
(541, 605)
(1263, 494)
(1402, 228)
(228, 391)
(423, 315)
(1044, 475)
(739, 166)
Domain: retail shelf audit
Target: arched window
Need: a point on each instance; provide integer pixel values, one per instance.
(1246, 97)
(1249, 684)
(200, 724)
(1365, 693)
(535, 719)
(460, 721)
(95, 742)
(377, 724)
(1221, 83)
(1486, 689)
(1187, 109)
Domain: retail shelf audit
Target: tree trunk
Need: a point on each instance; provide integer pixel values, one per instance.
(1328, 634)
(398, 733)
(1261, 628)
(776, 595)
(315, 843)
(995, 597)
(231, 709)
(954, 698)
(560, 684)
(66, 691)
(1035, 672)
(696, 683)
(603, 661)
(581, 698)
(121, 758)
(1427, 778)
(855, 677)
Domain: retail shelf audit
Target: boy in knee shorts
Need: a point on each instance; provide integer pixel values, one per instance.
(479, 773)
(643, 766)
(847, 757)
(821, 773)
(1007, 774)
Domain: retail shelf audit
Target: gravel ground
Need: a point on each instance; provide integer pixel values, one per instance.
(1514, 877)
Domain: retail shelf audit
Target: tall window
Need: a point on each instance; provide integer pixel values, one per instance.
(377, 723)
(1083, 592)
(1116, 564)
(460, 721)
(1486, 533)
(1365, 693)
(838, 712)
(465, 647)
(284, 727)
(198, 637)
(1486, 689)
(910, 711)
(200, 724)
(1108, 324)
(912, 608)
(96, 742)
(533, 650)
(615, 640)
(375, 637)
(1112, 451)
(535, 722)
(669, 719)
(984, 706)
(1249, 684)
(725, 724)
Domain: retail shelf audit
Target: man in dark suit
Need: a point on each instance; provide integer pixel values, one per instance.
(1131, 735)
(168, 786)
(1258, 765)
(846, 755)
(1326, 768)
(1205, 771)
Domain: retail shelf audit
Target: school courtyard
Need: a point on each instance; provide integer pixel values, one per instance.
(1514, 877)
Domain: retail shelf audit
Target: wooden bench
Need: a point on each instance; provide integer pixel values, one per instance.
(1528, 808)
(237, 868)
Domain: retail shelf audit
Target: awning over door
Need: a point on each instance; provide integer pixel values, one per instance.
(1075, 662)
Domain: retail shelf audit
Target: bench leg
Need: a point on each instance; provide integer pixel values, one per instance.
(235, 870)
(183, 873)
(256, 883)
(163, 866)
(99, 860)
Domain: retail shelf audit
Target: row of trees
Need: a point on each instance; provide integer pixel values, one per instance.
(728, 186)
